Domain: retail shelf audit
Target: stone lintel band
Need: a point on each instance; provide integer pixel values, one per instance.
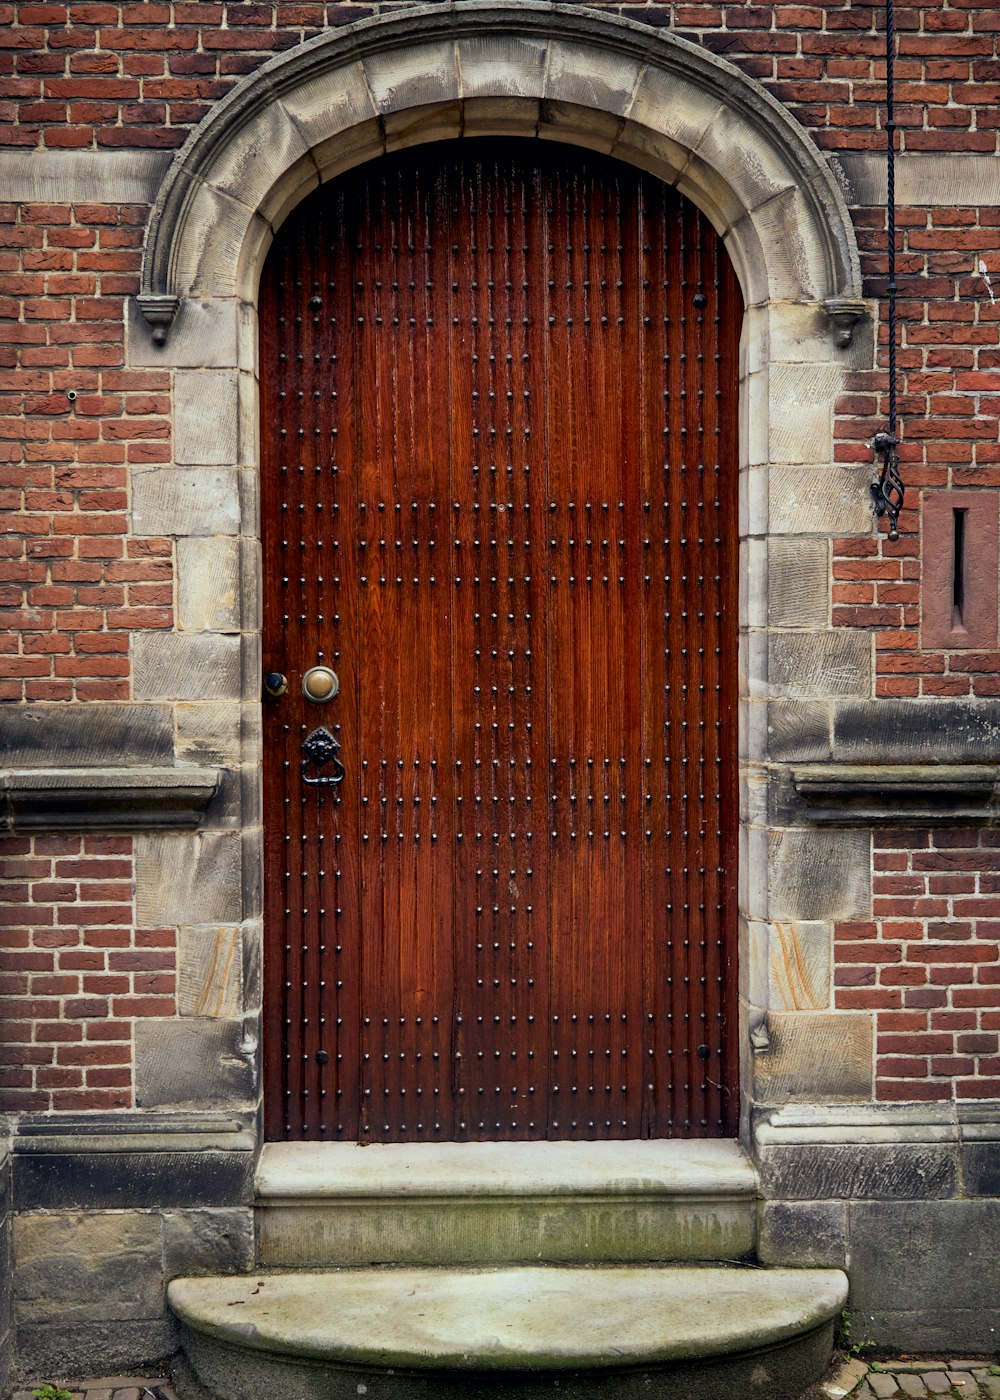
(899, 794)
(105, 799)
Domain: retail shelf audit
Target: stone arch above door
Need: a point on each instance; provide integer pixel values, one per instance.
(558, 72)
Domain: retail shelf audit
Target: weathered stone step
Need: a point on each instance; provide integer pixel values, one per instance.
(682, 1332)
(334, 1204)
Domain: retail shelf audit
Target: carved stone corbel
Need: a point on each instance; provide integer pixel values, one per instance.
(844, 314)
(159, 310)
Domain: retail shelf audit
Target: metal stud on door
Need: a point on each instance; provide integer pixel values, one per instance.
(499, 505)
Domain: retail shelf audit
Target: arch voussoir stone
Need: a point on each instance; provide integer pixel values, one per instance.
(560, 72)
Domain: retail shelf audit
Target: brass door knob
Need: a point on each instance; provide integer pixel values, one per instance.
(320, 684)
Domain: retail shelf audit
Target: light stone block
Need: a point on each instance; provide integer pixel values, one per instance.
(248, 338)
(752, 735)
(188, 879)
(755, 404)
(206, 417)
(349, 148)
(591, 78)
(799, 730)
(754, 963)
(251, 795)
(208, 1242)
(816, 875)
(794, 258)
(753, 664)
(251, 726)
(800, 966)
(652, 151)
(251, 666)
(798, 582)
(208, 584)
(821, 664)
(664, 106)
(208, 733)
(507, 65)
(440, 122)
(73, 176)
(203, 334)
(743, 247)
(252, 871)
(753, 872)
(87, 1266)
(801, 418)
(923, 179)
(324, 110)
(500, 116)
(738, 170)
(754, 786)
(248, 421)
(218, 232)
(418, 75)
(209, 967)
(190, 1060)
(818, 1058)
(184, 501)
(824, 500)
(249, 497)
(802, 334)
(579, 126)
(254, 168)
(251, 575)
(251, 948)
(186, 666)
(753, 583)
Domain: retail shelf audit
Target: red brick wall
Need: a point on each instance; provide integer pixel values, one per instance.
(75, 973)
(949, 405)
(928, 964)
(72, 586)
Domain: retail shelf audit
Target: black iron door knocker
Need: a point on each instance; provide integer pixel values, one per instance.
(321, 748)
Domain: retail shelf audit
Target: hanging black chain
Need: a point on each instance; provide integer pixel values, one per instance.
(887, 487)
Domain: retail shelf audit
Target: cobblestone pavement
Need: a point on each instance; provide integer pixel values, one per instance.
(106, 1388)
(970, 1379)
(958, 1378)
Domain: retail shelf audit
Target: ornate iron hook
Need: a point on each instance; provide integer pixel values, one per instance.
(887, 486)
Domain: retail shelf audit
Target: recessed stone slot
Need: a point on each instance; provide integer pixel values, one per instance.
(959, 595)
(958, 568)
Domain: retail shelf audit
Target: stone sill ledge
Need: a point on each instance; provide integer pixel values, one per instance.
(117, 1132)
(105, 799)
(899, 794)
(968, 1120)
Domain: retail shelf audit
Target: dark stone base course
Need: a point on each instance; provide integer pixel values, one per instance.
(925, 1275)
(97, 1348)
(132, 1180)
(981, 1168)
(230, 1373)
(876, 1171)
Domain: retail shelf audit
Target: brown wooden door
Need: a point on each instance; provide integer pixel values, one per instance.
(499, 499)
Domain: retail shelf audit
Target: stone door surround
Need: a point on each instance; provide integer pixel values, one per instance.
(557, 73)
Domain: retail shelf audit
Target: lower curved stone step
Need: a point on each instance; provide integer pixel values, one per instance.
(516, 1333)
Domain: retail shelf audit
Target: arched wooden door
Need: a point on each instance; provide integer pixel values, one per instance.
(499, 500)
